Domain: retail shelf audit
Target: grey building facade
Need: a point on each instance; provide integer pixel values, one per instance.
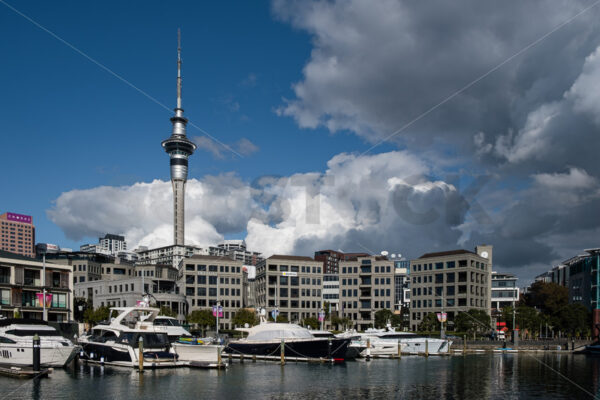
(291, 284)
(367, 285)
(210, 280)
(450, 281)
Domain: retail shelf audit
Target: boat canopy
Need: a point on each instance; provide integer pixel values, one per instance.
(264, 332)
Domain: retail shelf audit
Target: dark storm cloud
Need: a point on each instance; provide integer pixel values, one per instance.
(375, 66)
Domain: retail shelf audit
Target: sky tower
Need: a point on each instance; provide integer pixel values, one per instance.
(179, 148)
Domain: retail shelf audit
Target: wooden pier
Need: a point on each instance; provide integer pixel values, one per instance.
(253, 358)
(24, 372)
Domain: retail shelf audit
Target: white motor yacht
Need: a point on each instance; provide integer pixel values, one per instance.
(171, 326)
(16, 343)
(385, 342)
(117, 343)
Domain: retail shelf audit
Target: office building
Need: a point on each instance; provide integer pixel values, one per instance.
(504, 291)
(331, 259)
(208, 280)
(367, 285)
(293, 285)
(450, 281)
(17, 234)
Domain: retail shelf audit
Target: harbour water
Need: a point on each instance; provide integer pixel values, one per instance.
(476, 376)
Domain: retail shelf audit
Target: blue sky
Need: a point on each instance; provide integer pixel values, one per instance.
(449, 95)
(71, 125)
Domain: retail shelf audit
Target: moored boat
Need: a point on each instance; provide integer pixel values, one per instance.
(16, 343)
(266, 339)
(385, 342)
(117, 343)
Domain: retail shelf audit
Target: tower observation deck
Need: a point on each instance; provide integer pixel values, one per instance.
(179, 148)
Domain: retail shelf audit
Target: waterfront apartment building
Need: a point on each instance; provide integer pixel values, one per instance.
(110, 244)
(367, 285)
(93, 266)
(208, 280)
(22, 279)
(504, 291)
(17, 234)
(450, 281)
(158, 281)
(291, 284)
(236, 250)
(172, 255)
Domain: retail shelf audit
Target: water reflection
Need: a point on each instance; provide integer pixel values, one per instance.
(481, 376)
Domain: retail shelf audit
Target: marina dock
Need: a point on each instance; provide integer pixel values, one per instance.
(24, 373)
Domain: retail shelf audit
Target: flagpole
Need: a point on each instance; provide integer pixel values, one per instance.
(45, 312)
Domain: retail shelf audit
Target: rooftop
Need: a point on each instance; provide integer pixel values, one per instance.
(284, 257)
(14, 256)
(204, 257)
(446, 253)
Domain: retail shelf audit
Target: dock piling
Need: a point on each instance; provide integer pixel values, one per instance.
(368, 350)
(36, 353)
(282, 351)
(426, 348)
(141, 354)
(399, 349)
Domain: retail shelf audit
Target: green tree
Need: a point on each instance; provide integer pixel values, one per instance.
(167, 312)
(429, 323)
(473, 321)
(342, 322)
(245, 316)
(282, 319)
(93, 316)
(575, 320)
(326, 306)
(202, 318)
(312, 322)
(549, 298)
(396, 320)
(84, 303)
(382, 317)
(528, 318)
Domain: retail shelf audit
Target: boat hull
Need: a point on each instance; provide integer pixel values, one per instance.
(127, 356)
(50, 356)
(314, 348)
